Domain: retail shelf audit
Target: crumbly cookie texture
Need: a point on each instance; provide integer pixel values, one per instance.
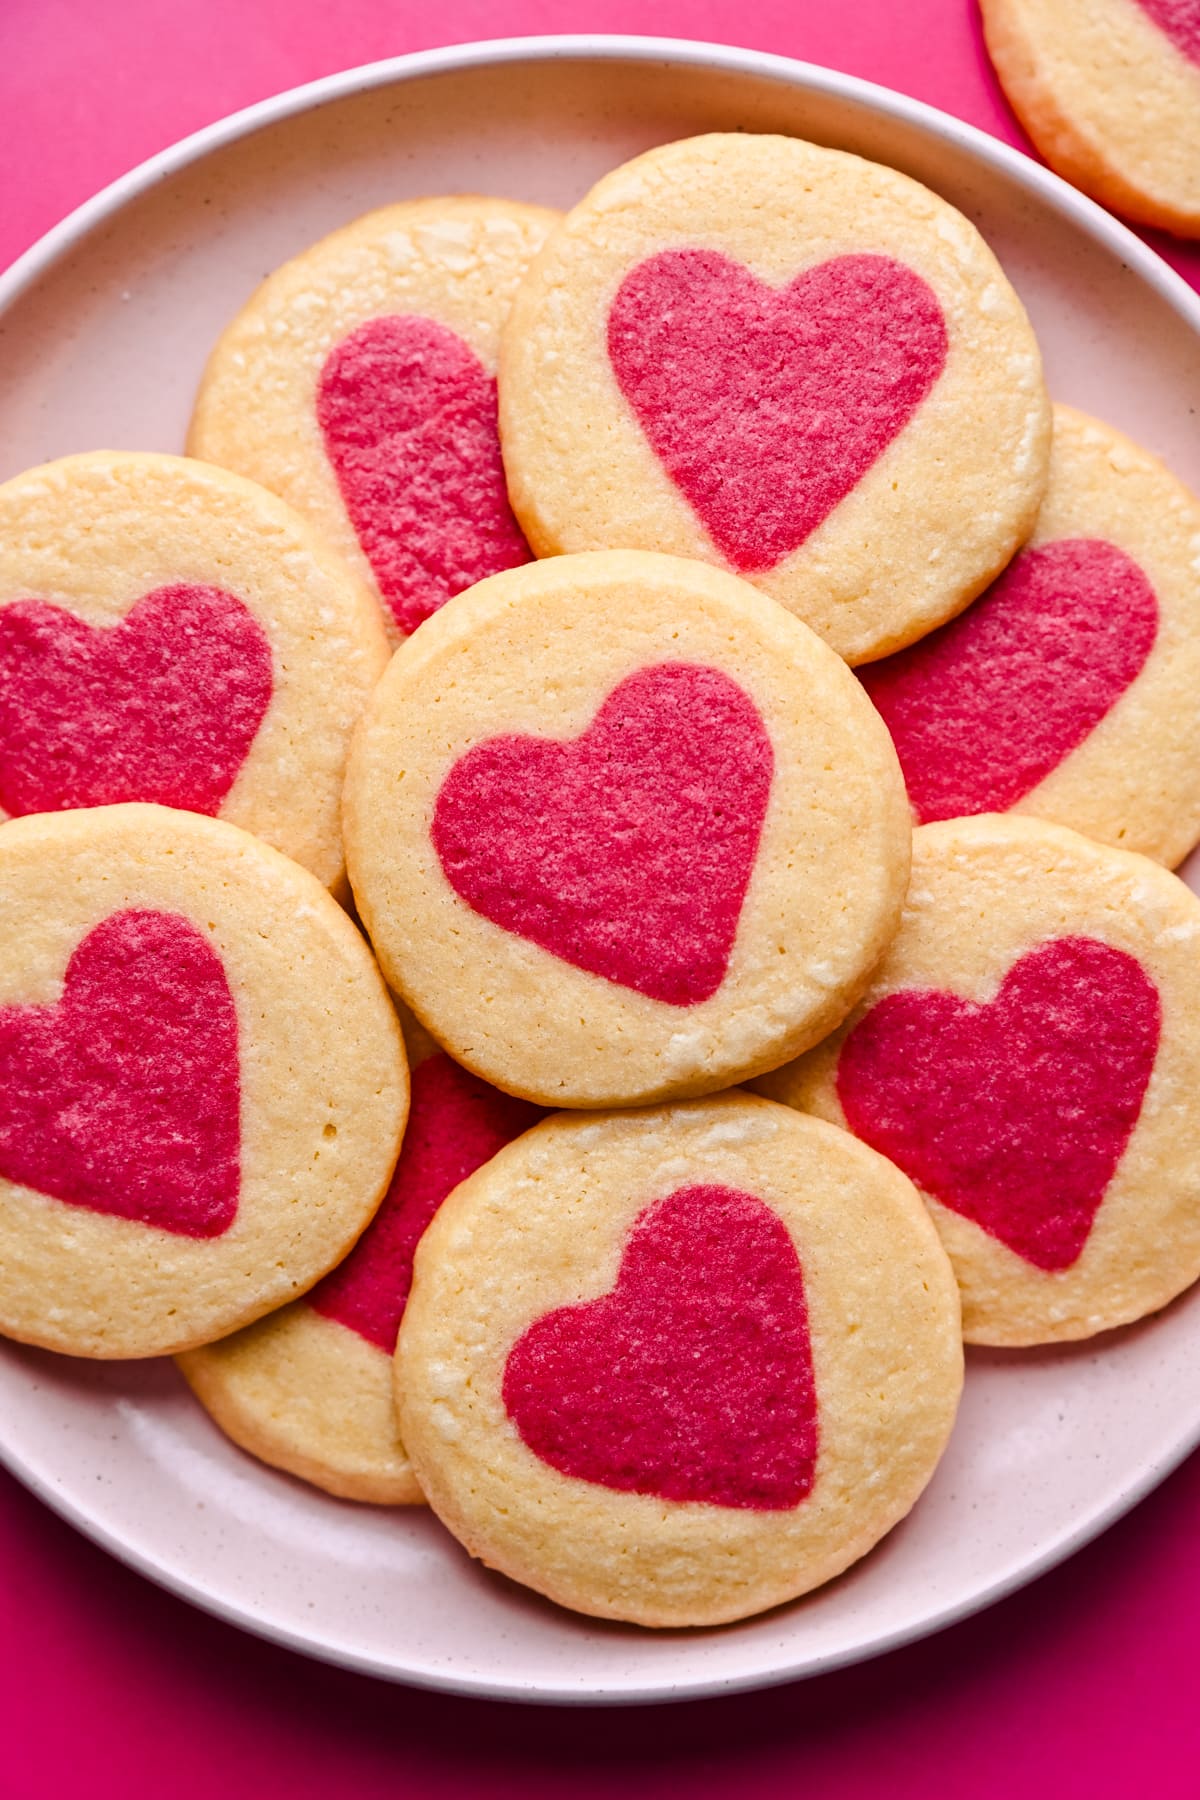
(786, 361)
(359, 383)
(1028, 1051)
(1066, 691)
(1109, 91)
(621, 829)
(202, 1082)
(172, 633)
(556, 1305)
(309, 1389)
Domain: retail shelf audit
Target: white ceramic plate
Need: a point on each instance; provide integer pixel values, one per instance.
(104, 328)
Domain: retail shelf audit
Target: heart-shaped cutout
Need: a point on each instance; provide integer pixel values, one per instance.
(627, 851)
(124, 1097)
(408, 415)
(456, 1123)
(162, 707)
(766, 406)
(985, 708)
(1180, 20)
(1014, 1113)
(693, 1379)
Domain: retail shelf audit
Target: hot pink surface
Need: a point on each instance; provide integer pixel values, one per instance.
(123, 1096)
(408, 414)
(767, 405)
(162, 707)
(1180, 19)
(1017, 1111)
(985, 708)
(627, 850)
(456, 1122)
(1081, 1685)
(693, 1379)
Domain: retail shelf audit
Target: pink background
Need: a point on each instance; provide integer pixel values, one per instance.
(1082, 1685)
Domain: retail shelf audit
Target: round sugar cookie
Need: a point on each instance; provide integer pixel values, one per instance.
(172, 633)
(202, 1081)
(1069, 690)
(1109, 91)
(309, 1388)
(679, 1365)
(785, 360)
(1029, 1054)
(360, 383)
(622, 829)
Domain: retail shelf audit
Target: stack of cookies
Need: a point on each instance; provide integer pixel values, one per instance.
(668, 678)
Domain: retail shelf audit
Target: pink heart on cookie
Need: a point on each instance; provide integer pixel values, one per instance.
(1014, 1113)
(124, 1097)
(626, 851)
(162, 707)
(693, 1379)
(985, 708)
(408, 414)
(456, 1123)
(1179, 20)
(768, 405)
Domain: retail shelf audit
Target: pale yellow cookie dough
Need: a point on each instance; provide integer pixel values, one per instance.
(544, 1225)
(322, 1077)
(536, 652)
(984, 893)
(928, 524)
(307, 1394)
(1109, 99)
(456, 260)
(95, 534)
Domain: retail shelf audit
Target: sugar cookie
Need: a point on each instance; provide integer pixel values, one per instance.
(788, 361)
(202, 1081)
(1109, 91)
(172, 633)
(1029, 1053)
(1068, 690)
(679, 1365)
(309, 1389)
(360, 383)
(620, 829)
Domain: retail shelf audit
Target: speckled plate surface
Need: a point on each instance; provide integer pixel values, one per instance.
(104, 328)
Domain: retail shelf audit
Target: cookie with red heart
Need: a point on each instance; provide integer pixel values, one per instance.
(797, 365)
(621, 829)
(309, 1388)
(1068, 690)
(173, 634)
(360, 383)
(679, 1365)
(1027, 1053)
(202, 1080)
(1109, 91)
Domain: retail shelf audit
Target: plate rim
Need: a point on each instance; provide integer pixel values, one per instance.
(447, 1681)
(598, 46)
(1143, 261)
